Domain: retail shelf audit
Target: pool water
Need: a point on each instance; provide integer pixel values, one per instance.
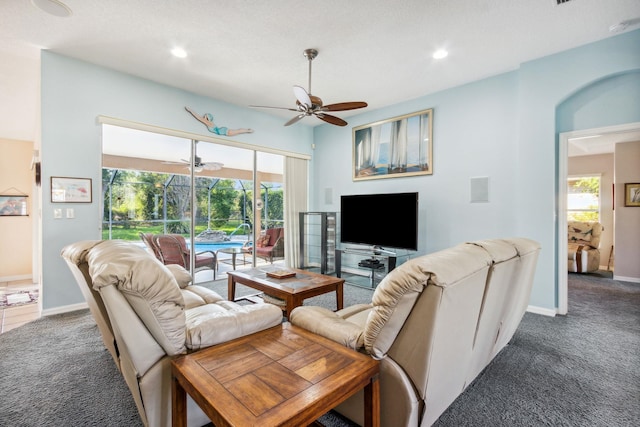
(214, 246)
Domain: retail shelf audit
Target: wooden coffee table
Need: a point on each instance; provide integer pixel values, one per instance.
(282, 376)
(292, 290)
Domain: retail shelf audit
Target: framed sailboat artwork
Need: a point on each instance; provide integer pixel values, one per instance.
(397, 147)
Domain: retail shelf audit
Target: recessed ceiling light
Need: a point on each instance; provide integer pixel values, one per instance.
(440, 53)
(53, 7)
(179, 52)
(619, 27)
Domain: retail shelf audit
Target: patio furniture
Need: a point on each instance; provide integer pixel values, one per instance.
(269, 245)
(173, 250)
(147, 238)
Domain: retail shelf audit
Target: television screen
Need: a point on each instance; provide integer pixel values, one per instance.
(385, 220)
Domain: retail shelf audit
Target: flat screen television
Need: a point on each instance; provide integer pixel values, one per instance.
(380, 220)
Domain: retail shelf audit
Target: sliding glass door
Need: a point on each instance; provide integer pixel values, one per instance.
(218, 197)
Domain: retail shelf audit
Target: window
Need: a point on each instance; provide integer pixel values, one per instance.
(583, 198)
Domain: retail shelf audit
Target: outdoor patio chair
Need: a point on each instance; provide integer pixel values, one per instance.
(173, 250)
(269, 245)
(147, 238)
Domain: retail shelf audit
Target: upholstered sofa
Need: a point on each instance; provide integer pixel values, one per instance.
(149, 313)
(583, 246)
(434, 323)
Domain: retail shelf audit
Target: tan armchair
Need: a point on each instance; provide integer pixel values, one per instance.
(583, 246)
(149, 313)
(435, 322)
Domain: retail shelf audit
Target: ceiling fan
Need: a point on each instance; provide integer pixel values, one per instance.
(307, 104)
(198, 165)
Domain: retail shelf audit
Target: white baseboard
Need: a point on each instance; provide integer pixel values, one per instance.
(541, 310)
(15, 278)
(626, 279)
(65, 309)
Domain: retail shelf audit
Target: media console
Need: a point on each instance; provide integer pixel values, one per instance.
(367, 267)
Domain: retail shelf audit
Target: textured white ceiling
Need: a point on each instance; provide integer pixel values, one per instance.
(250, 51)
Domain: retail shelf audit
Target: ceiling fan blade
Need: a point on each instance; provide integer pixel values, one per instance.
(342, 106)
(302, 96)
(212, 166)
(277, 108)
(331, 119)
(166, 162)
(295, 119)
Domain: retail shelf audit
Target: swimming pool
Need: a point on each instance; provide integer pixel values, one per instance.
(214, 246)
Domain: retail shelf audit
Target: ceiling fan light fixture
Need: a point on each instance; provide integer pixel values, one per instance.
(619, 27)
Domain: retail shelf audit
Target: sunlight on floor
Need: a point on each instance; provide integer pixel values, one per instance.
(16, 308)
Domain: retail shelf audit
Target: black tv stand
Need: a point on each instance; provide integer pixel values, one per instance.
(371, 263)
(375, 263)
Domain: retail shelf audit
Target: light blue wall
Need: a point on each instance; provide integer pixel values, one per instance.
(544, 85)
(74, 94)
(504, 128)
(472, 127)
(614, 100)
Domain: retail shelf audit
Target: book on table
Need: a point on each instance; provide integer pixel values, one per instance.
(281, 274)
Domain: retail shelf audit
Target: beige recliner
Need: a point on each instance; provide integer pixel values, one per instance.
(434, 323)
(149, 313)
(583, 246)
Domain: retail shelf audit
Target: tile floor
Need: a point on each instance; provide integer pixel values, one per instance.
(14, 316)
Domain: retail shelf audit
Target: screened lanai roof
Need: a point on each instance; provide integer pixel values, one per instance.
(125, 148)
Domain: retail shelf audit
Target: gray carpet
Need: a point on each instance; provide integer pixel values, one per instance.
(55, 371)
(574, 370)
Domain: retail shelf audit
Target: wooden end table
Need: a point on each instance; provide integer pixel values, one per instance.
(292, 290)
(282, 376)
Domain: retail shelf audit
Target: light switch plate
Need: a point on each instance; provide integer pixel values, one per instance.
(57, 213)
(71, 213)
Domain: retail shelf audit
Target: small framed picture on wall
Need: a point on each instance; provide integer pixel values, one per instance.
(632, 194)
(13, 205)
(70, 190)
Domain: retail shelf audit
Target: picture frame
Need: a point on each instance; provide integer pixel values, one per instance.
(632, 194)
(14, 205)
(70, 190)
(401, 146)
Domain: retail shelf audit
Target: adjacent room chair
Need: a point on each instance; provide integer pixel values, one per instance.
(270, 245)
(582, 247)
(173, 250)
